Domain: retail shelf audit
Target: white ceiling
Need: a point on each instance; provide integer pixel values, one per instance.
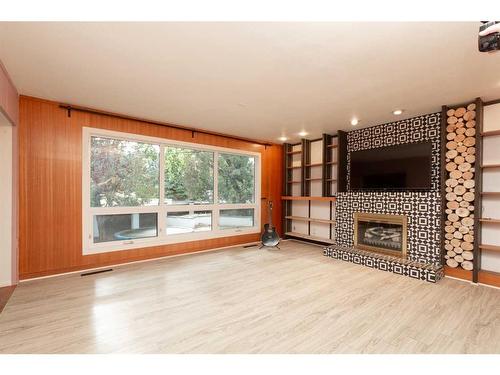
(258, 80)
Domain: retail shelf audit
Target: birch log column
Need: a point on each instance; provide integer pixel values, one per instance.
(460, 189)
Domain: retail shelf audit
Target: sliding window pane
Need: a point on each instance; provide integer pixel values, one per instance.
(123, 173)
(236, 179)
(124, 227)
(237, 218)
(189, 176)
(186, 222)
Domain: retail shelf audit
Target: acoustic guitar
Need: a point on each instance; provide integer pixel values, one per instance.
(269, 236)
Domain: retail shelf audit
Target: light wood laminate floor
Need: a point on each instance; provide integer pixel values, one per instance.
(292, 300)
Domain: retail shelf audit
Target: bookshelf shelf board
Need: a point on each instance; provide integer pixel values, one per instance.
(491, 193)
(300, 198)
(490, 166)
(312, 238)
(490, 247)
(491, 133)
(311, 219)
(489, 220)
(314, 165)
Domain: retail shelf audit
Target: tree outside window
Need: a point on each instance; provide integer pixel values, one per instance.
(236, 179)
(123, 173)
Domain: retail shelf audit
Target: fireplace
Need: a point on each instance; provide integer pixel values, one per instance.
(381, 233)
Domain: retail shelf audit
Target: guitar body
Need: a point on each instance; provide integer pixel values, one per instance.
(269, 236)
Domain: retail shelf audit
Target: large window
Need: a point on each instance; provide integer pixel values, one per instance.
(236, 178)
(120, 227)
(142, 191)
(123, 173)
(189, 176)
(187, 222)
(236, 218)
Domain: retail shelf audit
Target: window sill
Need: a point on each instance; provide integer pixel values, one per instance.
(164, 240)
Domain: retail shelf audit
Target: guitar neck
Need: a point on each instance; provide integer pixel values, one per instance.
(270, 213)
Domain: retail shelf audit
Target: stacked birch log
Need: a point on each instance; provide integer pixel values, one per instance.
(460, 189)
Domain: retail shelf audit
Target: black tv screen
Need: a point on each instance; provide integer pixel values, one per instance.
(402, 167)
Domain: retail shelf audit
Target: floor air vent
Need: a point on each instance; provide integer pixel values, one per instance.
(95, 272)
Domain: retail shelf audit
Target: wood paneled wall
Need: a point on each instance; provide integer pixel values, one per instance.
(50, 186)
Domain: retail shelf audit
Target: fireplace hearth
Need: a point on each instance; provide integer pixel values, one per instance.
(381, 233)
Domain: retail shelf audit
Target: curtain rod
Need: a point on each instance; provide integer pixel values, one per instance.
(69, 108)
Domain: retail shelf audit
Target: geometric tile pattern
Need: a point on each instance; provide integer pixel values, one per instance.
(423, 209)
(415, 270)
(412, 130)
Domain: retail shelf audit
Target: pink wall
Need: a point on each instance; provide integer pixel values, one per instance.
(9, 105)
(9, 98)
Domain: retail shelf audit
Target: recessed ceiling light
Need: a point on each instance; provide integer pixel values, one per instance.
(283, 139)
(303, 133)
(397, 112)
(354, 122)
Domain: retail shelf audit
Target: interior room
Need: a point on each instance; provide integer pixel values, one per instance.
(249, 188)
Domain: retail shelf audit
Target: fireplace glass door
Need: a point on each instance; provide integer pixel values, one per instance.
(380, 233)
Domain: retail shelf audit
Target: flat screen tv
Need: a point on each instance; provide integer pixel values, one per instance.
(393, 168)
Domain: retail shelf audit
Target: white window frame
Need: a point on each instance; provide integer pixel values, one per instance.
(162, 209)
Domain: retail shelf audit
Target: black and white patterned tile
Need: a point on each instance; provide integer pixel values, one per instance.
(404, 267)
(417, 129)
(423, 209)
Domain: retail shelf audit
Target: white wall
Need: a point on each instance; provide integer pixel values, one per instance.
(490, 233)
(5, 202)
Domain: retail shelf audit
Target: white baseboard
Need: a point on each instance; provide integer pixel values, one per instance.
(4, 283)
